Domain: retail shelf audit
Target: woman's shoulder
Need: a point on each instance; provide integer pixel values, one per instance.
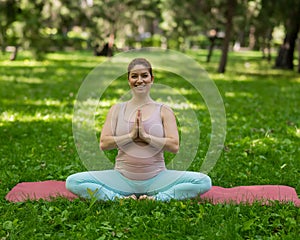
(115, 108)
(118, 105)
(165, 109)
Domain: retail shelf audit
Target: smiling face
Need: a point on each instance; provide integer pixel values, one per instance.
(140, 76)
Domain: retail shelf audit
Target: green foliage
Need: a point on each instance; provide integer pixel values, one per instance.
(262, 147)
(129, 219)
(43, 26)
(153, 41)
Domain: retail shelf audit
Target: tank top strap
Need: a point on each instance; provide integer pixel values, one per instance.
(122, 106)
(120, 115)
(159, 107)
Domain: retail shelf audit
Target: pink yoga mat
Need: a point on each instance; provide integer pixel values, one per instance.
(49, 190)
(46, 190)
(250, 194)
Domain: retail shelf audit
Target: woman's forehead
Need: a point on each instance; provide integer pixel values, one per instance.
(139, 69)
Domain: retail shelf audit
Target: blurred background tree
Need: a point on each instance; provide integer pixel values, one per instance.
(8, 15)
(42, 26)
(288, 12)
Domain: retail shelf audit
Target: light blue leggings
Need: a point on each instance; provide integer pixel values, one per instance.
(110, 184)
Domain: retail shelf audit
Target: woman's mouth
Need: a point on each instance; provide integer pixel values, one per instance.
(140, 86)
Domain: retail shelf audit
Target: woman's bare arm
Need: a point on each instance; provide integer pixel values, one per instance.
(107, 139)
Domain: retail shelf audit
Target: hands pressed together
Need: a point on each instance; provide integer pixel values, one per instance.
(138, 133)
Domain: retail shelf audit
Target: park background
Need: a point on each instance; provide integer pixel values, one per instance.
(249, 48)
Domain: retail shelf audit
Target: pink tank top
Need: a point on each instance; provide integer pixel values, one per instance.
(135, 161)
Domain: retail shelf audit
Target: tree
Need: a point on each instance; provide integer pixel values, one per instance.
(222, 15)
(128, 19)
(265, 23)
(182, 19)
(229, 14)
(8, 13)
(288, 13)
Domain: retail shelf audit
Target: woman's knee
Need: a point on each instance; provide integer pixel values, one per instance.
(209, 182)
(71, 182)
(203, 181)
(74, 180)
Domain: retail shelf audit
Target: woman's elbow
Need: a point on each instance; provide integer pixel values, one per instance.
(106, 144)
(103, 145)
(174, 148)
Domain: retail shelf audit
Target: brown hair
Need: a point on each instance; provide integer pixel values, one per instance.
(140, 61)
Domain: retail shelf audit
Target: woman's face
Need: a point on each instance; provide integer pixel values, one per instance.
(140, 79)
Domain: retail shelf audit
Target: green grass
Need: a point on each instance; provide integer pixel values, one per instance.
(262, 147)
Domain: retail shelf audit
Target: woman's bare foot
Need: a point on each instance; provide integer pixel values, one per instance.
(143, 197)
(130, 197)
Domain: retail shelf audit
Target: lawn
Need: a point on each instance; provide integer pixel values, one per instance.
(262, 146)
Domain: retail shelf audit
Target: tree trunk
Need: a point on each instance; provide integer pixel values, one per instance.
(252, 39)
(231, 4)
(2, 39)
(13, 56)
(285, 55)
(269, 50)
(266, 48)
(269, 39)
(210, 50)
(111, 41)
(299, 55)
